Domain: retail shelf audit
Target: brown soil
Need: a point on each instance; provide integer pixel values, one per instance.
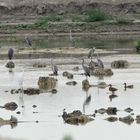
(43, 7)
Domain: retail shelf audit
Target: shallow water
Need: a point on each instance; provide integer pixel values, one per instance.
(50, 106)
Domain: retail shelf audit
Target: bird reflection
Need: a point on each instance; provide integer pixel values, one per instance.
(87, 100)
(112, 96)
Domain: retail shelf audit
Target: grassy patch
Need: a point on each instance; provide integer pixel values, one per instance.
(124, 22)
(96, 15)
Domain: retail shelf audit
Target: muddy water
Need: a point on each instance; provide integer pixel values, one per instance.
(50, 106)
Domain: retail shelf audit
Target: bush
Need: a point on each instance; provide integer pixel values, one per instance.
(137, 45)
(124, 22)
(42, 22)
(96, 16)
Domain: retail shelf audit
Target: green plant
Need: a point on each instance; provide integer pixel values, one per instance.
(42, 22)
(137, 44)
(124, 22)
(96, 15)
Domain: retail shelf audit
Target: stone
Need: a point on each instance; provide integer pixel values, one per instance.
(47, 83)
(32, 91)
(112, 119)
(102, 72)
(128, 119)
(71, 83)
(120, 64)
(76, 118)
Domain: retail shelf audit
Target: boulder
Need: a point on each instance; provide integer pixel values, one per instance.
(128, 119)
(13, 122)
(39, 65)
(102, 72)
(32, 91)
(10, 65)
(112, 119)
(47, 83)
(76, 118)
(120, 64)
(138, 119)
(71, 83)
(68, 75)
(85, 85)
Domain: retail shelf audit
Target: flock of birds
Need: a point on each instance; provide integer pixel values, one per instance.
(86, 69)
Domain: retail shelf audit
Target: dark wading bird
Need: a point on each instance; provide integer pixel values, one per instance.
(91, 53)
(10, 53)
(54, 68)
(128, 86)
(100, 63)
(112, 89)
(28, 41)
(86, 69)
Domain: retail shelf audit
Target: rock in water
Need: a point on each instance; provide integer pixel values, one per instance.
(128, 119)
(31, 91)
(47, 83)
(120, 64)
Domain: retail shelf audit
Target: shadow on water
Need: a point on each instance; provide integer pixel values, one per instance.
(100, 42)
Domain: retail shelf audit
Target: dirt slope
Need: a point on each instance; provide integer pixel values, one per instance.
(44, 7)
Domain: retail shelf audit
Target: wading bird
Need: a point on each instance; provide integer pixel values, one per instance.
(28, 41)
(86, 69)
(100, 63)
(91, 53)
(10, 53)
(54, 68)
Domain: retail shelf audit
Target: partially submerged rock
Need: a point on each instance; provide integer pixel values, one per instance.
(10, 64)
(32, 91)
(76, 68)
(39, 65)
(102, 85)
(102, 72)
(68, 75)
(112, 119)
(128, 119)
(71, 83)
(85, 85)
(109, 111)
(128, 109)
(120, 64)
(101, 111)
(47, 83)
(76, 118)
(13, 122)
(138, 119)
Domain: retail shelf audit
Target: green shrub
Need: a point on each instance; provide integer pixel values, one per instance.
(124, 22)
(137, 44)
(96, 15)
(42, 22)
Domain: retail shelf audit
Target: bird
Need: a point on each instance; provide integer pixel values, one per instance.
(86, 102)
(86, 69)
(91, 53)
(128, 86)
(54, 68)
(28, 41)
(100, 63)
(112, 89)
(10, 53)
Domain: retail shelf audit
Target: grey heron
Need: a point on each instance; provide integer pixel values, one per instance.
(100, 63)
(91, 53)
(54, 68)
(10, 53)
(28, 41)
(86, 69)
